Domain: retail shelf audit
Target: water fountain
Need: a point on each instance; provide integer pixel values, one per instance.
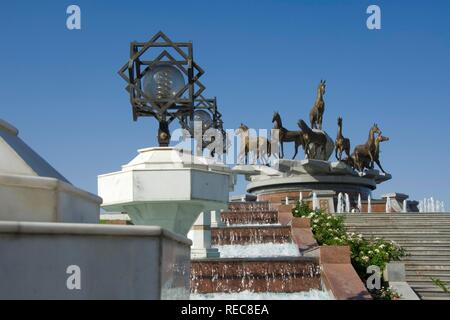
(340, 203)
(388, 205)
(431, 205)
(258, 258)
(315, 203)
(359, 203)
(405, 206)
(347, 203)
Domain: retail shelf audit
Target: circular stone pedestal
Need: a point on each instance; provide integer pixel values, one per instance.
(288, 178)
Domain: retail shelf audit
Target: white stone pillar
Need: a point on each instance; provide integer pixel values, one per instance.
(200, 234)
(216, 220)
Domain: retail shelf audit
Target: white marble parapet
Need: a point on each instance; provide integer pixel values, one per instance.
(92, 261)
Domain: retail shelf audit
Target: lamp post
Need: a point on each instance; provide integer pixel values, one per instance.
(162, 81)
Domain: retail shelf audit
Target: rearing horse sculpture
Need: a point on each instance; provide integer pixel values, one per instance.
(286, 135)
(316, 113)
(365, 160)
(368, 149)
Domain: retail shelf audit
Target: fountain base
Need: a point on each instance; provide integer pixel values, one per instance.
(256, 275)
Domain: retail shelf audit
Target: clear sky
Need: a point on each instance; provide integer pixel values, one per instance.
(61, 87)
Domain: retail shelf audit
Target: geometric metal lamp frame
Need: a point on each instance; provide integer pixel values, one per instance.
(165, 110)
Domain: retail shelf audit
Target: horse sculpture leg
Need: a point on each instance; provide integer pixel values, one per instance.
(281, 150)
(371, 163)
(379, 165)
(296, 150)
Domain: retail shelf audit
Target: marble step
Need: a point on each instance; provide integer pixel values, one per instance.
(250, 235)
(255, 274)
(249, 217)
(249, 206)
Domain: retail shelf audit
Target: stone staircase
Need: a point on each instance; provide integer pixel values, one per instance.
(424, 236)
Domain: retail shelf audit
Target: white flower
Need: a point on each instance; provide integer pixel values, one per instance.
(377, 251)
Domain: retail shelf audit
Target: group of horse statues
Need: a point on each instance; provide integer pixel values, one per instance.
(315, 142)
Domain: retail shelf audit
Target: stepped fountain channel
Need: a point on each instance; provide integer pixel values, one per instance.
(259, 260)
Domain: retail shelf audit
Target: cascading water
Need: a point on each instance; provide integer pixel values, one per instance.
(405, 206)
(288, 249)
(359, 203)
(249, 295)
(369, 204)
(340, 203)
(347, 203)
(315, 201)
(431, 205)
(259, 260)
(388, 205)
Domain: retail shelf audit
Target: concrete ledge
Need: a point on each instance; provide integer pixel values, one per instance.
(303, 236)
(285, 213)
(113, 262)
(43, 199)
(46, 184)
(339, 276)
(335, 255)
(405, 291)
(395, 275)
(44, 228)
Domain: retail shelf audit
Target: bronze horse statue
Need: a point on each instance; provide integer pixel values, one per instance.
(342, 143)
(316, 113)
(312, 137)
(286, 135)
(366, 150)
(260, 145)
(365, 159)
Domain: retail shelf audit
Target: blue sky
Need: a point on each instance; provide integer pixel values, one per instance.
(61, 87)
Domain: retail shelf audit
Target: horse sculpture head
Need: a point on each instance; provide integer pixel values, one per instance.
(242, 129)
(375, 129)
(322, 86)
(276, 117)
(340, 121)
(382, 138)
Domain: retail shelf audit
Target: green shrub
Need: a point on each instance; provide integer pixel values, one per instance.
(301, 209)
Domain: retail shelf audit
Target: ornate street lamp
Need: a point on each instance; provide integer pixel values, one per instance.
(165, 87)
